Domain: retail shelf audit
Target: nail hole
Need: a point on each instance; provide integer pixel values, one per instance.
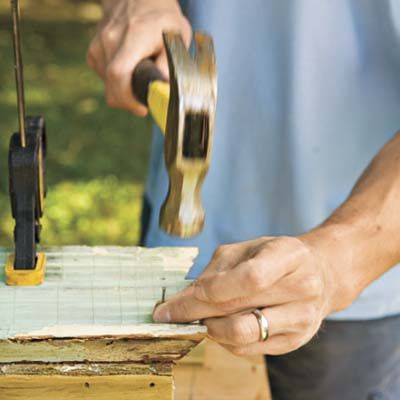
(152, 384)
(87, 385)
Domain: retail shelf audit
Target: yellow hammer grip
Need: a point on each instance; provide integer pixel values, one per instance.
(157, 100)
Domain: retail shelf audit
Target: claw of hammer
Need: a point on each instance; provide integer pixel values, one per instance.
(185, 111)
(189, 132)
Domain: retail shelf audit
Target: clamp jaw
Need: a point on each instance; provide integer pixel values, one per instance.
(27, 194)
(26, 158)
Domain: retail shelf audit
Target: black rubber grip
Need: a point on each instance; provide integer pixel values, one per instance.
(145, 73)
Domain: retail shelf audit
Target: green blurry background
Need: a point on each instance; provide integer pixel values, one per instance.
(97, 157)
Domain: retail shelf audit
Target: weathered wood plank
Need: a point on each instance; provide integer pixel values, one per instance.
(139, 331)
(87, 332)
(85, 369)
(95, 287)
(124, 387)
(98, 350)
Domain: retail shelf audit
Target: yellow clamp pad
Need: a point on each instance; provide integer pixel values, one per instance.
(158, 100)
(25, 277)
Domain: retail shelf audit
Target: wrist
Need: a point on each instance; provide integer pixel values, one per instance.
(338, 251)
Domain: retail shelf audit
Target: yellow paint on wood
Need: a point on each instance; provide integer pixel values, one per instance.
(158, 100)
(25, 277)
(122, 387)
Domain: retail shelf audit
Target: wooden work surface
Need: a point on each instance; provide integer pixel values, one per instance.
(88, 331)
(209, 372)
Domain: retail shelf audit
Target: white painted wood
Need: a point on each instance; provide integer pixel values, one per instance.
(140, 331)
(96, 291)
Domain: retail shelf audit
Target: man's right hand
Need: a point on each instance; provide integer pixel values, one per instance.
(130, 31)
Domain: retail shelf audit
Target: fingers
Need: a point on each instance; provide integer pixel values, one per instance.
(184, 307)
(130, 34)
(120, 69)
(255, 275)
(269, 279)
(277, 345)
(228, 256)
(162, 64)
(290, 326)
(236, 330)
(243, 329)
(96, 57)
(281, 276)
(224, 258)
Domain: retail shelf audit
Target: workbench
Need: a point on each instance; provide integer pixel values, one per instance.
(87, 332)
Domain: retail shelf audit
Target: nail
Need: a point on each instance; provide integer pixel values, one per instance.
(161, 314)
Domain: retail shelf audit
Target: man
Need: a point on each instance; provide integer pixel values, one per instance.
(309, 92)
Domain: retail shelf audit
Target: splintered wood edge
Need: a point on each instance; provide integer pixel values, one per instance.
(85, 369)
(193, 332)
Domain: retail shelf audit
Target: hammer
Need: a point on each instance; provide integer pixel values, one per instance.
(184, 109)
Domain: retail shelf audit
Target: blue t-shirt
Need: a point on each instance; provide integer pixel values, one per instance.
(309, 91)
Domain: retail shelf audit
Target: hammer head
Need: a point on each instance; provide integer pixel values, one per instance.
(189, 132)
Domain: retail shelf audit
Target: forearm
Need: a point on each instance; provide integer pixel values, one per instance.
(361, 239)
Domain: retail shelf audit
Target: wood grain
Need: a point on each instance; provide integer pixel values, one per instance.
(87, 332)
(125, 387)
(85, 369)
(211, 372)
(96, 291)
(95, 350)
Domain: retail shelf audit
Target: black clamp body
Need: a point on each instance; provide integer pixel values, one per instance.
(27, 190)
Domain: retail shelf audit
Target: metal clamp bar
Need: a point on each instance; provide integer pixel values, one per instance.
(19, 70)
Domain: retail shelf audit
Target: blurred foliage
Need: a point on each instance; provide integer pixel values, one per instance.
(97, 157)
(100, 211)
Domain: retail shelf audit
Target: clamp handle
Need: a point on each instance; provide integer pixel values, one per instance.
(19, 70)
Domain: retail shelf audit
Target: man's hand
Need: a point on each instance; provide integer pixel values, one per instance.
(131, 31)
(291, 281)
(298, 281)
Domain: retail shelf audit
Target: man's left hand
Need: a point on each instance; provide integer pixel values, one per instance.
(291, 280)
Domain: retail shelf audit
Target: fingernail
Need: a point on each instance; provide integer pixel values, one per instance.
(161, 314)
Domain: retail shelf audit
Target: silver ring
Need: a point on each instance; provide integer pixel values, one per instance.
(262, 323)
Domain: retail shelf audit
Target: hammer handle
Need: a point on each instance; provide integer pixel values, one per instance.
(144, 74)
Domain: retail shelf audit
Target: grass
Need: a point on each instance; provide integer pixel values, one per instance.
(97, 157)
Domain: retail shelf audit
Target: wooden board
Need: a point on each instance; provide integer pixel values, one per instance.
(96, 292)
(95, 350)
(211, 372)
(87, 332)
(126, 387)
